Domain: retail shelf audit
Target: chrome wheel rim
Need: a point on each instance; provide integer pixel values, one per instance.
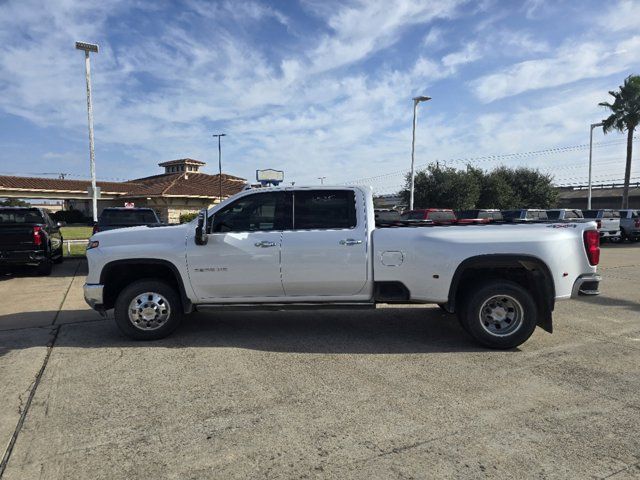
(149, 311)
(501, 315)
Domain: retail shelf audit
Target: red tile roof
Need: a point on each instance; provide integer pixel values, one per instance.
(57, 185)
(184, 184)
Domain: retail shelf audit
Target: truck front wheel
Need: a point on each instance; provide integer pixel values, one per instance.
(499, 314)
(148, 310)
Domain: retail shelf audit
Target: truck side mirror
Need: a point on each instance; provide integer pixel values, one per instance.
(201, 229)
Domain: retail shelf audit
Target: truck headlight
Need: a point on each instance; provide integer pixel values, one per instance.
(92, 244)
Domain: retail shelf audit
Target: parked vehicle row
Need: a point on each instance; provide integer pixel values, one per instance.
(614, 225)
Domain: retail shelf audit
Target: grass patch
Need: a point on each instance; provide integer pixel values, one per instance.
(77, 250)
(76, 233)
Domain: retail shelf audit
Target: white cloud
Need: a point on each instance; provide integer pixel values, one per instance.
(570, 63)
(294, 110)
(470, 53)
(370, 25)
(623, 15)
(434, 39)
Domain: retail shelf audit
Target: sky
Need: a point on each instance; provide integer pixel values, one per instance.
(314, 87)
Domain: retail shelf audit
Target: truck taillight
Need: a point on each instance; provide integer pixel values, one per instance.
(637, 223)
(37, 235)
(592, 246)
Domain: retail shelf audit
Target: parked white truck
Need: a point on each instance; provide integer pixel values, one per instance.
(319, 247)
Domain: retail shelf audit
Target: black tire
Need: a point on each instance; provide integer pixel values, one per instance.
(44, 269)
(479, 311)
(154, 330)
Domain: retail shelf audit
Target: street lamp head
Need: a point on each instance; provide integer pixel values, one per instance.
(219, 135)
(421, 99)
(87, 47)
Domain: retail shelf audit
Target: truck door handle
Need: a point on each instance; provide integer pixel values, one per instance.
(350, 241)
(265, 244)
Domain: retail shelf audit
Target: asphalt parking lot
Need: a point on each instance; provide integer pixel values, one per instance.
(391, 393)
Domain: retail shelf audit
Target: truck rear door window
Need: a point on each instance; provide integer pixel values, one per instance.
(324, 209)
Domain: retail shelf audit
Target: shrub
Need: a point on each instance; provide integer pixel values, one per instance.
(187, 217)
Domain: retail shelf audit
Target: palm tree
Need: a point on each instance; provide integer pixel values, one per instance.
(625, 116)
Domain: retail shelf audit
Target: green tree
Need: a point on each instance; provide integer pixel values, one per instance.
(497, 190)
(13, 202)
(443, 187)
(625, 116)
(503, 188)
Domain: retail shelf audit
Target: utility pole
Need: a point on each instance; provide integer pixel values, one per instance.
(219, 135)
(416, 101)
(593, 125)
(90, 47)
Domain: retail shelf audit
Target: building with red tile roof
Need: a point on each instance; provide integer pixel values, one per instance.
(182, 188)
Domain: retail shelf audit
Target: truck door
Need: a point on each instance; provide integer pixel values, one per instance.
(241, 259)
(325, 254)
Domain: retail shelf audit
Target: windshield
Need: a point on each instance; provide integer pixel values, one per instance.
(468, 214)
(510, 214)
(10, 215)
(128, 217)
(417, 215)
(441, 216)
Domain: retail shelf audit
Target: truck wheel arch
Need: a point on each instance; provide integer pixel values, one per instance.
(530, 271)
(117, 274)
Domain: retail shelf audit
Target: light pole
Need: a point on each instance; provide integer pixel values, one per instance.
(321, 180)
(593, 125)
(90, 47)
(219, 135)
(416, 101)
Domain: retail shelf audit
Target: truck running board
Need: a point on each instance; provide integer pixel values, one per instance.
(284, 306)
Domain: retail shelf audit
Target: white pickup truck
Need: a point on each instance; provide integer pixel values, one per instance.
(319, 247)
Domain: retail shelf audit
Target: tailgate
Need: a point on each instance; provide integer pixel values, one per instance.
(610, 224)
(16, 237)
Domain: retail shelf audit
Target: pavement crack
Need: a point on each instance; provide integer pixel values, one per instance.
(66, 293)
(411, 446)
(623, 469)
(27, 404)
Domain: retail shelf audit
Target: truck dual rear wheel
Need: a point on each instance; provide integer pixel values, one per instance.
(499, 314)
(148, 310)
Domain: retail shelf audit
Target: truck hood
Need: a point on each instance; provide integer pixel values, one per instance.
(142, 235)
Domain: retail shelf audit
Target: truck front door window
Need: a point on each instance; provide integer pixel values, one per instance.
(261, 212)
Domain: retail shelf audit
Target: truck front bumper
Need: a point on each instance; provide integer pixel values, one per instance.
(93, 296)
(587, 284)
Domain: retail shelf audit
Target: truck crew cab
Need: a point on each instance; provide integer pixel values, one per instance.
(297, 247)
